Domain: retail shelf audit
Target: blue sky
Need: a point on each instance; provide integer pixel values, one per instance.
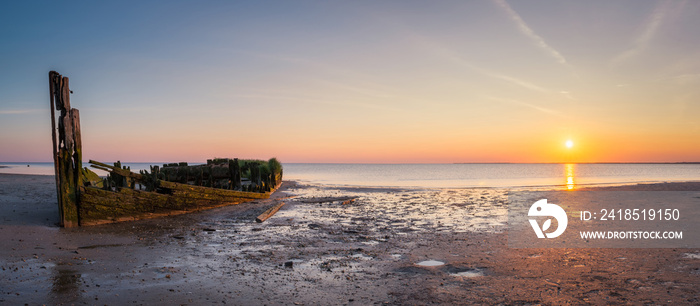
(357, 81)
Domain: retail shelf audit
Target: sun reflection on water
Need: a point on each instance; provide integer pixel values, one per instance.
(569, 172)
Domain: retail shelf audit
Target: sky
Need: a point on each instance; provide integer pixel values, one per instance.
(356, 81)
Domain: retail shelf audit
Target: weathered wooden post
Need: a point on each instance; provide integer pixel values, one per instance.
(52, 94)
(268, 182)
(235, 170)
(67, 150)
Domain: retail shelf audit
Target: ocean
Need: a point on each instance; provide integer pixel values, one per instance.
(452, 175)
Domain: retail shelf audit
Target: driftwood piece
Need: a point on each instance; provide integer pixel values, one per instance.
(268, 213)
(348, 201)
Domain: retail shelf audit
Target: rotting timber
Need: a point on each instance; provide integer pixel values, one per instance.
(84, 198)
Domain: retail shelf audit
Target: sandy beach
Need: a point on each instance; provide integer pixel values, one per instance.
(317, 250)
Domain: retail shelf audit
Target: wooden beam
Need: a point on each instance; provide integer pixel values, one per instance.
(78, 147)
(67, 189)
(100, 206)
(210, 193)
(68, 176)
(53, 75)
(117, 170)
(65, 94)
(268, 213)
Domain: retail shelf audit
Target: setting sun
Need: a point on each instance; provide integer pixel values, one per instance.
(569, 143)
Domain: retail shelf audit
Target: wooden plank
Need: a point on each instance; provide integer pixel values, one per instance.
(268, 213)
(145, 201)
(100, 206)
(52, 94)
(67, 125)
(67, 190)
(90, 178)
(117, 170)
(213, 192)
(126, 200)
(78, 152)
(65, 94)
(101, 168)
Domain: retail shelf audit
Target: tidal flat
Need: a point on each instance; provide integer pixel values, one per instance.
(320, 248)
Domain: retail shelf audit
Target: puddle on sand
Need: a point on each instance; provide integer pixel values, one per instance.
(469, 273)
(430, 263)
(66, 282)
(361, 256)
(691, 255)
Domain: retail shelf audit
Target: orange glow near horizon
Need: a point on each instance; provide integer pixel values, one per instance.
(317, 147)
(466, 82)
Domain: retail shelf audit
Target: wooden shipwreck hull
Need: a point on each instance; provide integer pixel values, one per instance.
(125, 195)
(84, 198)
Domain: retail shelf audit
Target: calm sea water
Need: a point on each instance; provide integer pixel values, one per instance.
(454, 175)
(489, 175)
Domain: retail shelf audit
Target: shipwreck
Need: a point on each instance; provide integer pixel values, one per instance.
(84, 198)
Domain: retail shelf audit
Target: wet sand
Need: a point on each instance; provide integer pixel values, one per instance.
(315, 251)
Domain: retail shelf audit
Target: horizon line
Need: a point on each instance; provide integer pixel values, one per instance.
(389, 163)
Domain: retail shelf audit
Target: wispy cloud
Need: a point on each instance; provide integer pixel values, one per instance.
(496, 75)
(684, 79)
(339, 76)
(454, 57)
(515, 81)
(567, 94)
(518, 102)
(300, 98)
(365, 91)
(647, 34)
(527, 31)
